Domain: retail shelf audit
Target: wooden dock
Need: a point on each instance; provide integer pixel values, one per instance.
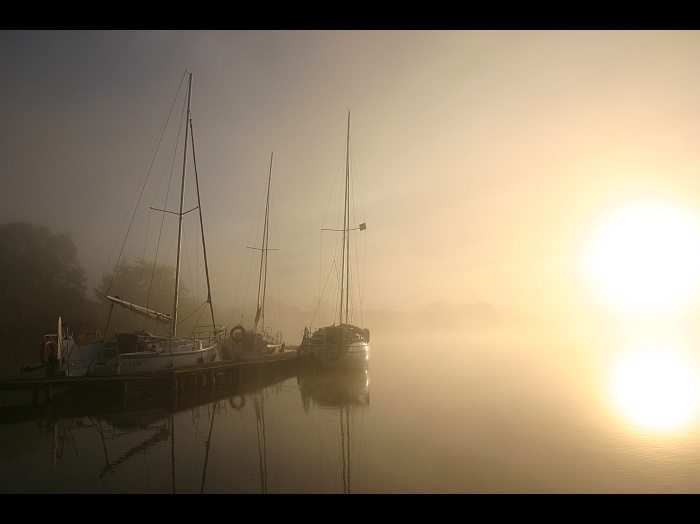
(206, 375)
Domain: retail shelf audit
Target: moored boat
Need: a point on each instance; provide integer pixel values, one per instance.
(345, 344)
(161, 347)
(258, 339)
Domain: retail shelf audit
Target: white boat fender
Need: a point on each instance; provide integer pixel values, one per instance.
(237, 333)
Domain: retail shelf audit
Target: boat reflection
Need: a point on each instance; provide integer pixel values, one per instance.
(344, 391)
(333, 388)
(118, 429)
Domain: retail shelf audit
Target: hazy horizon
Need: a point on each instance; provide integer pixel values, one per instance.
(486, 160)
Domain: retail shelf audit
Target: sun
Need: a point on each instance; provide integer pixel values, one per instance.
(645, 257)
(656, 388)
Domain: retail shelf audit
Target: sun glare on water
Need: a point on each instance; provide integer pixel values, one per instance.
(643, 262)
(656, 388)
(645, 258)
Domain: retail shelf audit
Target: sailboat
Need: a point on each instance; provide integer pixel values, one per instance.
(140, 351)
(257, 340)
(344, 345)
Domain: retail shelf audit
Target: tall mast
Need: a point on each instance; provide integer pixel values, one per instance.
(182, 207)
(201, 225)
(262, 279)
(345, 268)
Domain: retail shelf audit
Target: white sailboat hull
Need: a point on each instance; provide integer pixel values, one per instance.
(102, 358)
(344, 357)
(181, 356)
(327, 349)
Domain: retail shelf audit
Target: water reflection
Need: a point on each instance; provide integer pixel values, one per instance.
(654, 381)
(529, 417)
(123, 436)
(334, 389)
(347, 394)
(133, 444)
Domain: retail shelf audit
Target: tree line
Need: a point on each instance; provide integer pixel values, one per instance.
(41, 279)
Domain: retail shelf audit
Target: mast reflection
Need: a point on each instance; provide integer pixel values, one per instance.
(346, 392)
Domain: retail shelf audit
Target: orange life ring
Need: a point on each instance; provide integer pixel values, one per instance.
(237, 333)
(48, 349)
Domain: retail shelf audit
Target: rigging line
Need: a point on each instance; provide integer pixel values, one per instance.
(248, 265)
(323, 449)
(345, 447)
(347, 422)
(201, 225)
(193, 281)
(340, 170)
(249, 284)
(198, 308)
(163, 211)
(100, 430)
(172, 448)
(356, 184)
(148, 471)
(357, 281)
(262, 277)
(181, 208)
(270, 220)
(235, 295)
(332, 198)
(364, 279)
(164, 267)
(262, 446)
(346, 234)
(342, 452)
(71, 439)
(320, 300)
(162, 223)
(278, 319)
(249, 262)
(196, 325)
(207, 446)
(159, 435)
(133, 205)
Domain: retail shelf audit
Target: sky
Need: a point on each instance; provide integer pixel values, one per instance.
(486, 159)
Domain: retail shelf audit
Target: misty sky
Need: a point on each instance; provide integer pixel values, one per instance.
(484, 157)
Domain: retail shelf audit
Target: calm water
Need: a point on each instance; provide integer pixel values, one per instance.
(444, 414)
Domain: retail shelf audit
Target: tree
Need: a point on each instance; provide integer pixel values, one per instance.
(146, 284)
(40, 279)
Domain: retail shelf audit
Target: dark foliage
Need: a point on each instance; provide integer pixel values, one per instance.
(146, 284)
(40, 279)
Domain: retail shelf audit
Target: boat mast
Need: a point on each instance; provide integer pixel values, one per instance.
(262, 279)
(182, 207)
(201, 225)
(345, 268)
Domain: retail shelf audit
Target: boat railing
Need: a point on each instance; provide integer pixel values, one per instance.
(208, 333)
